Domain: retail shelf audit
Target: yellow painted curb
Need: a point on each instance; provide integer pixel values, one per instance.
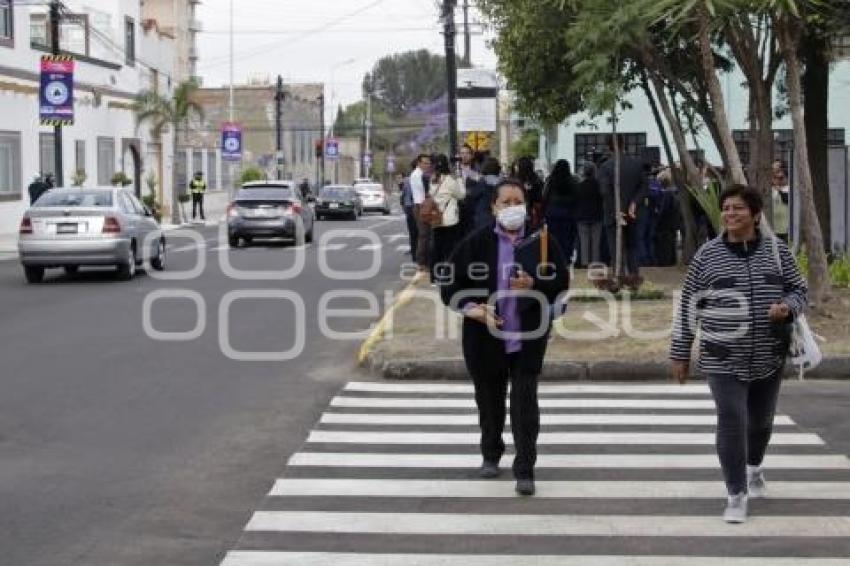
(378, 332)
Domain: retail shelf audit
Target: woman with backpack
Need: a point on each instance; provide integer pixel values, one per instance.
(446, 193)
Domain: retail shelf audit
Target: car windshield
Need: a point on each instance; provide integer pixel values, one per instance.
(336, 192)
(66, 198)
(265, 193)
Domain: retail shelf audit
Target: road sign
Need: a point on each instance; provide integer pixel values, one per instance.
(479, 141)
(231, 141)
(391, 163)
(56, 98)
(332, 148)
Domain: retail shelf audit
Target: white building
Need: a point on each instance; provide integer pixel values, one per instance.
(178, 19)
(116, 58)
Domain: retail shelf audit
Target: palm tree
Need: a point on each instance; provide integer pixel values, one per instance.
(175, 113)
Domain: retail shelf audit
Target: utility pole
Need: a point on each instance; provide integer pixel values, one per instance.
(278, 116)
(57, 129)
(368, 160)
(467, 38)
(321, 140)
(451, 69)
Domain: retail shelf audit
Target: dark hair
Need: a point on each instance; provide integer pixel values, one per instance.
(525, 170)
(588, 170)
(422, 156)
(560, 172)
(491, 166)
(748, 194)
(414, 163)
(441, 164)
(508, 183)
(467, 146)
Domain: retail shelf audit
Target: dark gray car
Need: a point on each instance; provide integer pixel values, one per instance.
(269, 210)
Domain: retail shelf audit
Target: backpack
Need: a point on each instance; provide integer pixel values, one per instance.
(430, 213)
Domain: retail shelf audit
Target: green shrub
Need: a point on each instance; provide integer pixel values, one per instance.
(150, 202)
(250, 174)
(121, 179)
(839, 271)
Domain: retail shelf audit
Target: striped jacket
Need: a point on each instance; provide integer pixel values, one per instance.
(727, 293)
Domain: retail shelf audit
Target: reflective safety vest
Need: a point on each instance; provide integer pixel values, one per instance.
(197, 186)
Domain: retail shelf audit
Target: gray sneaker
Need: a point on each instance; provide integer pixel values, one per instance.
(489, 470)
(755, 483)
(736, 509)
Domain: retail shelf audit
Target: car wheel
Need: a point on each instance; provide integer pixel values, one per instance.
(71, 269)
(158, 262)
(34, 273)
(126, 270)
(386, 212)
(233, 241)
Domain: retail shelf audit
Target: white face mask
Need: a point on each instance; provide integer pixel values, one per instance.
(512, 218)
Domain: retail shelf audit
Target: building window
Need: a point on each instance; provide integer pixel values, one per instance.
(594, 146)
(7, 24)
(74, 32)
(79, 156)
(46, 153)
(10, 164)
(105, 161)
(130, 41)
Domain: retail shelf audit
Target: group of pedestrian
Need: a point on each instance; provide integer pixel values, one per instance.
(509, 267)
(40, 185)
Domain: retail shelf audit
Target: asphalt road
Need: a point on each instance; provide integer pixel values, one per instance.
(118, 449)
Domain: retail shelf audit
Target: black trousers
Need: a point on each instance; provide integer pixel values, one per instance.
(490, 392)
(745, 412)
(198, 203)
(412, 230)
(443, 242)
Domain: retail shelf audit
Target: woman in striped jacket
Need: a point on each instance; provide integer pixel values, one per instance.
(742, 291)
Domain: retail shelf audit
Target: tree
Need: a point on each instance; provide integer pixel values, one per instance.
(527, 144)
(175, 113)
(402, 80)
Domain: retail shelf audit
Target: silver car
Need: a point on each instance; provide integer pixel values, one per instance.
(69, 228)
(373, 196)
(269, 209)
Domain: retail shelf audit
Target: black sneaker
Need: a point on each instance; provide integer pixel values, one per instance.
(489, 470)
(525, 487)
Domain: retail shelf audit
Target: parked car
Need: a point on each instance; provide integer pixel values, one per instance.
(75, 227)
(374, 197)
(275, 210)
(338, 200)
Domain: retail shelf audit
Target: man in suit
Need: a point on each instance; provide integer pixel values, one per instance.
(634, 187)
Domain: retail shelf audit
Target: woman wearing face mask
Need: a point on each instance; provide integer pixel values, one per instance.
(742, 289)
(506, 324)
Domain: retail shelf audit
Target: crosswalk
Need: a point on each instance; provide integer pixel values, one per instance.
(626, 475)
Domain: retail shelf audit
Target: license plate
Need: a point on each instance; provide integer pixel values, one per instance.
(67, 228)
(334, 205)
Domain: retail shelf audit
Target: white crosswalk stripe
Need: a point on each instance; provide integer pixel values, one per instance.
(626, 475)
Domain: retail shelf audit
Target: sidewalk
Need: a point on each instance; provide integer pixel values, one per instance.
(597, 339)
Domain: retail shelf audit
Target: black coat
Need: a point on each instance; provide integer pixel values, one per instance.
(634, 186)
(588, 201)
(482, 351)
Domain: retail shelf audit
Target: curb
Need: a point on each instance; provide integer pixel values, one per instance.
(454, 369)
(364, 355)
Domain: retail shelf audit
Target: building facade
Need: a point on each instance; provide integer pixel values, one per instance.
(254, 109)
(178, 18)
(115, 58)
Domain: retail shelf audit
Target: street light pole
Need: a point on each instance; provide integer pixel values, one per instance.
(278, 97)
(57, 129)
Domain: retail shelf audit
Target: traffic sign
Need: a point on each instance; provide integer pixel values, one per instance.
(332, 148)
(56, 96)
(231, 141)
(391, 163)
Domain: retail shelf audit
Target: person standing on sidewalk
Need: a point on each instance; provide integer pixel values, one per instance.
(410, 216)
(559, 204)
(37, 188)
(479, 194)
(742, 299)
(504, 286)
(197, 188)
(589, 216)
(447, 193)
(418, 190)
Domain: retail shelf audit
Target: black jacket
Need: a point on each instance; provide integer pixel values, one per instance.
(482, 351)
(634, 186)
(588, 201)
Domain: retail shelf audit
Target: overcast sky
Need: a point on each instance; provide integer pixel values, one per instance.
(316, 40)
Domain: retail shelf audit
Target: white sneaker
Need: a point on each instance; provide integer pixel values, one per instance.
(736, 509)
(755, 481)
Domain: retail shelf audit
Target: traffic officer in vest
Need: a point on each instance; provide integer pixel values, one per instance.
(197, 187)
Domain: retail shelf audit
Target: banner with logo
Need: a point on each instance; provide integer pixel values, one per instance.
(56, 98)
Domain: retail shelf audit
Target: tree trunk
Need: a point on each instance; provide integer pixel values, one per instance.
(618, 259)
(819, 285)
(736, 171)
(816, 101)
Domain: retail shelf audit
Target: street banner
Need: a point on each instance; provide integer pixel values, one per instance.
(332, 148)
(367, 159)
(391, 163)
(231, 141)
(56, 97)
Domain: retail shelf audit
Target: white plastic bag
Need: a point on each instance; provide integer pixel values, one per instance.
(804, 351)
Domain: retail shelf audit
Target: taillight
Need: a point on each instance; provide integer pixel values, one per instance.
(232, 210)
(111, 225)
(26, 225)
